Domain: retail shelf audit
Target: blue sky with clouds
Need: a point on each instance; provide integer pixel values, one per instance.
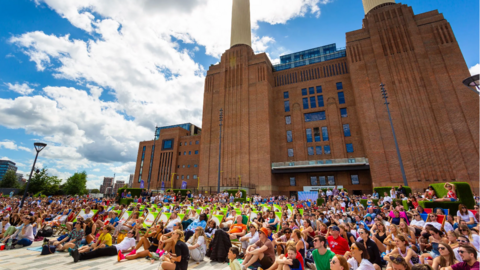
(92, 78)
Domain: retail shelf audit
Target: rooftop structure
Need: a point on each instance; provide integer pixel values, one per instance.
(308, 57)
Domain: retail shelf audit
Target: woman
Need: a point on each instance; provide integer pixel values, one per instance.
(308, 233)
(436, 238)
(451, 194)
(403, 250)
(211, 229)
(323, 229)
(250, 238)
(74, 238)
(338, 262)
(452, 239)
(178, 260)
(149, 242)
(409, 233)
(4, 225)
(196, 245)
(420, 210)
(474, 238)
(359, 257)
(346, 234)
(24, 235)
(380, 236)
(446, 258)
(127, 225)
(465, 215)
(371, 247)
(89, 228)
(390, 240)
(272, 220)
(166, 242)
(104, 240)
(15, 219)
(399, 263)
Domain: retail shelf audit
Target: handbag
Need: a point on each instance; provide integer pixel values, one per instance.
(47, 250)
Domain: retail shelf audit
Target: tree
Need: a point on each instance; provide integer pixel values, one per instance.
(9, 180)
(44, 183)
(94, 191)
(76, 184)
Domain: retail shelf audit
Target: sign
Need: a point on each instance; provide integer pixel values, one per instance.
(142, 183)
(317, 188)
(184, 185)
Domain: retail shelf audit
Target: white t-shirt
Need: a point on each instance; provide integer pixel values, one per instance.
(466, 217)
(476, 241)
(125, 244)
(420, 222)
(89, 215)
(447, 226)
(457, 256)
(364, 265)
(329, 193)
(171, 222)
(387, 199)
(434, 224)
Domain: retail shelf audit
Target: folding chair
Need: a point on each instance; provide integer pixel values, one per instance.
(428, 210)
(441, 219)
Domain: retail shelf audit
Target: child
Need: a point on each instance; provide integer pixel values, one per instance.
(232, 256)
(290, 263)
(105, 240)
(114, 219)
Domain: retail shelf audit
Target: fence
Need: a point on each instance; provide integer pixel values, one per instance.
(6, 191)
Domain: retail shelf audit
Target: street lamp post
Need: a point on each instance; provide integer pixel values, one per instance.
(473, 83)
(384, 94)
(219, 149)
(38, 147)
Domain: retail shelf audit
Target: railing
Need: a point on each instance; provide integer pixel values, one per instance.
(321, 163)
(341, 52)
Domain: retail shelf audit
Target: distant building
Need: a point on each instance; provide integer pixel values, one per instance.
(6, 165)
(118, 184)
(107, 183)
(130, 181)
(20, 178)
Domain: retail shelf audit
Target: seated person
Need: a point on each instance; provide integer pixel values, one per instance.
(166, 241)
(262, 251)
(149, 242)
(126, 245)
(105, 240)
(229, 220)
(233, 255)
(238, 229)
(250, 238)
(281, 241)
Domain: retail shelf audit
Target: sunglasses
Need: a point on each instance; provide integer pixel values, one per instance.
(415, 215)
(332, 261)
(398, 259)
(316, 240)
(442, 248)
(462, 241)
(461, 252)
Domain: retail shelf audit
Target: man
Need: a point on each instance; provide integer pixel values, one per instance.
(321, 255)
(386, 198)
(417, 223)
(337, 243)
(401, 190)
(375, 195)
(238, 229)
(469, 257)
(434, 223)
(174, 219)
(281, 241)
(261, 252)
(329, 193)
(127, 245)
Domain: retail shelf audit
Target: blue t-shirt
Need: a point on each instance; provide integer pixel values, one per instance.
(114, 221)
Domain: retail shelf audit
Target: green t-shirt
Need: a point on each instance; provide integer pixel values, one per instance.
(322, 262)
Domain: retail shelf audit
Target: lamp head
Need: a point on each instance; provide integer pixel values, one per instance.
(39, 146)
(473, 83)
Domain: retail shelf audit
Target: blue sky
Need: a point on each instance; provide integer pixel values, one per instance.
(92, 78)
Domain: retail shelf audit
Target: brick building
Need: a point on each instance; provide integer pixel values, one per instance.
(318, 118)
(107, 183)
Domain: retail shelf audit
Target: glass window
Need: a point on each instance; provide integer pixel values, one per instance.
(310, 151)
(322, 180)
(183, 166)
(311, 90)
(292, 181)
(185, 153)
(197, 142)
(196, 152)
(288, 120)
(331, 180)
(189, 152)
(178, 166)
(178, 177)
(309, 135)
(290, 152)
(346, 130)
(341, 98)
(305, 103)
(167, 144)
(313, 103)
(349, 148)
(320, 101)
(326, 149)
(355, 180)
(194, 176)
(318, 150)
(188, 176)
(287, 105)
(183, 177)
(179, 153)
(313, 181)
(325, 134)
(180, 144)
(339, 86)
(316, 134)
(343, 112)
(285, 94)
(304, 91)
(319, 89)
(289, 136)
(188, 166)
(195, 165)
(316, 116)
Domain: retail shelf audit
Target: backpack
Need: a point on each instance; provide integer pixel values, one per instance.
(45, 232)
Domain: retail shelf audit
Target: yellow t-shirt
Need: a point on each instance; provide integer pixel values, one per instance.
(105, 239)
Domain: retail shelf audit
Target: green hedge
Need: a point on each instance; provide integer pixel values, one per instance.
(364, 202)
(464, 195)
(182, 191)
(381, 190)
(126, 201)
(134, 191)
(234, 191)
(320, 202)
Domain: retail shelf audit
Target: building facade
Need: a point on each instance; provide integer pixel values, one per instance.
(319, 119)
(6, 165)
(107, 183)
(130, 180)
(118, 184)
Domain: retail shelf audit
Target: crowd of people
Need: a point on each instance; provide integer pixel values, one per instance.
(273, 232)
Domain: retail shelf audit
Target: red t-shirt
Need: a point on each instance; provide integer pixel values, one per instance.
(339, 246)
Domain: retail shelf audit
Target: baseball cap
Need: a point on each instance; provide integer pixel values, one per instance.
(335, 228)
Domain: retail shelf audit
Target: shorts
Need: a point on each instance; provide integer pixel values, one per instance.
(453, 199)
(266, 262)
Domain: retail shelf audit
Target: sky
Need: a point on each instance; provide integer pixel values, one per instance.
(92, 78)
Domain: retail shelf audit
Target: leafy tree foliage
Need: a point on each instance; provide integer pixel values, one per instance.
(9, 180)
(95, 190)
(43, 183)
(76, 184)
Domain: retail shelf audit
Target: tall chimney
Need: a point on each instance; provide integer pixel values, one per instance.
(371, 4)
(241, 29)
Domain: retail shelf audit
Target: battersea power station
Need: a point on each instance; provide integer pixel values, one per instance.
(319, 119)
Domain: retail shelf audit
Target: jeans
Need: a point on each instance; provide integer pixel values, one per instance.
(470, 226)
(24, 242)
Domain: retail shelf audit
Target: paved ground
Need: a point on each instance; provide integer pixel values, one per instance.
(23, 259)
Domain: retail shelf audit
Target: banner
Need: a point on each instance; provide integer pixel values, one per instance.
(307, 195)
(314, 188)
(184, 185)
(163, 185)
(142, 183)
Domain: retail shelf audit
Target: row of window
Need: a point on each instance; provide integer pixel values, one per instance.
(317, 150)
(189, 152)
(313, 102)
(196, 142)
(188, 166)
(325, 180)
(141, 164)
(316, 134)
(316, 116)
(188, 177)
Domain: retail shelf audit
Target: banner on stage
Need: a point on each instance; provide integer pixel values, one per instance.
(307, 195)
(315, 188)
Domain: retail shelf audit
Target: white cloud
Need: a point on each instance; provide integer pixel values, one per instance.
(127, 168)
(475, 70)
(8, 145)
(22, 89)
